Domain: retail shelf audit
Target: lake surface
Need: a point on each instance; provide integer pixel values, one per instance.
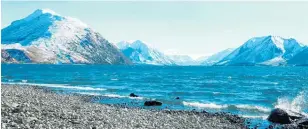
(247, 91)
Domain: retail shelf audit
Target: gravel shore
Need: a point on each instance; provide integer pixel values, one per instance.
(33, 107)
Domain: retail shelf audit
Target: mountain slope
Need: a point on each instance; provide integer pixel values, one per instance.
(211, 60)
(140, 53)
(300, 59)
(268, 50)
(183, 60)
(14, 56)
(47, 37)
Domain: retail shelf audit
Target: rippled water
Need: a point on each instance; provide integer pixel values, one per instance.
(248, 91)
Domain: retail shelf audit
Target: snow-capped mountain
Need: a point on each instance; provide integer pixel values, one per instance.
(211, 60)
(300, 59)
(140, 53)
(47, 37)
(201, 59)
(184, 60)
(268, 50)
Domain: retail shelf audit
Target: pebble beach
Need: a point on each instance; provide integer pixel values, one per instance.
(34, 107)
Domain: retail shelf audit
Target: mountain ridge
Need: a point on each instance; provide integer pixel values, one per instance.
(47, 37)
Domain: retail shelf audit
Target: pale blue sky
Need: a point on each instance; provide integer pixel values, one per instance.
(192, 28)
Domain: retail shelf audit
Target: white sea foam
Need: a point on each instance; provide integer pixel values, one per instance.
(204, 105)
(64, 86)
(114, 79)
(264, 117)
(113, 96)
(136, 98)
(120, 96)
(295, 105)
(253, 107)
(216, 93)
(89, 93)
(225, 106)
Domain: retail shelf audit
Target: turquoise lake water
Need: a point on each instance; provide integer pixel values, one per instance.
(250, 92)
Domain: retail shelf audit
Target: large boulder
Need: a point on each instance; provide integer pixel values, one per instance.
(152, 103)
(279, 116)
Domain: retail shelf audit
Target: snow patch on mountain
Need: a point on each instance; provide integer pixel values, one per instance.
(277, 61)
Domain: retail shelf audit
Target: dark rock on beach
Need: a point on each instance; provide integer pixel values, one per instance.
(288, 121)
(152, 103)
(133, 95)
(279, 116)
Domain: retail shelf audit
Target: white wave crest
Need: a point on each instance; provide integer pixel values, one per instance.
(113, 96)
(120, 96)
(225, 106)
(88, 93)
(294, 106)
(114, 79)
(64, 86)
(204, 105)
(253, 107)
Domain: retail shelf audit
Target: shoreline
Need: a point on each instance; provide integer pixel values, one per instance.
(37, 107)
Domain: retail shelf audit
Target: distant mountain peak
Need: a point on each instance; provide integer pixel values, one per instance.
(268, 50)
(141, 53)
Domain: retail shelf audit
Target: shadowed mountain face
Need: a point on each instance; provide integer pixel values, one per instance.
(300, 58)
(47, 37)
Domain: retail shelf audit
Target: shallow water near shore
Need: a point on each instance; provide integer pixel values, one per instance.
(250, 92)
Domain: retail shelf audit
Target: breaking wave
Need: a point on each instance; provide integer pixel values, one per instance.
(225, 106)
(88, 93)
(204, 105)
(120, 96)
(296, 105)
